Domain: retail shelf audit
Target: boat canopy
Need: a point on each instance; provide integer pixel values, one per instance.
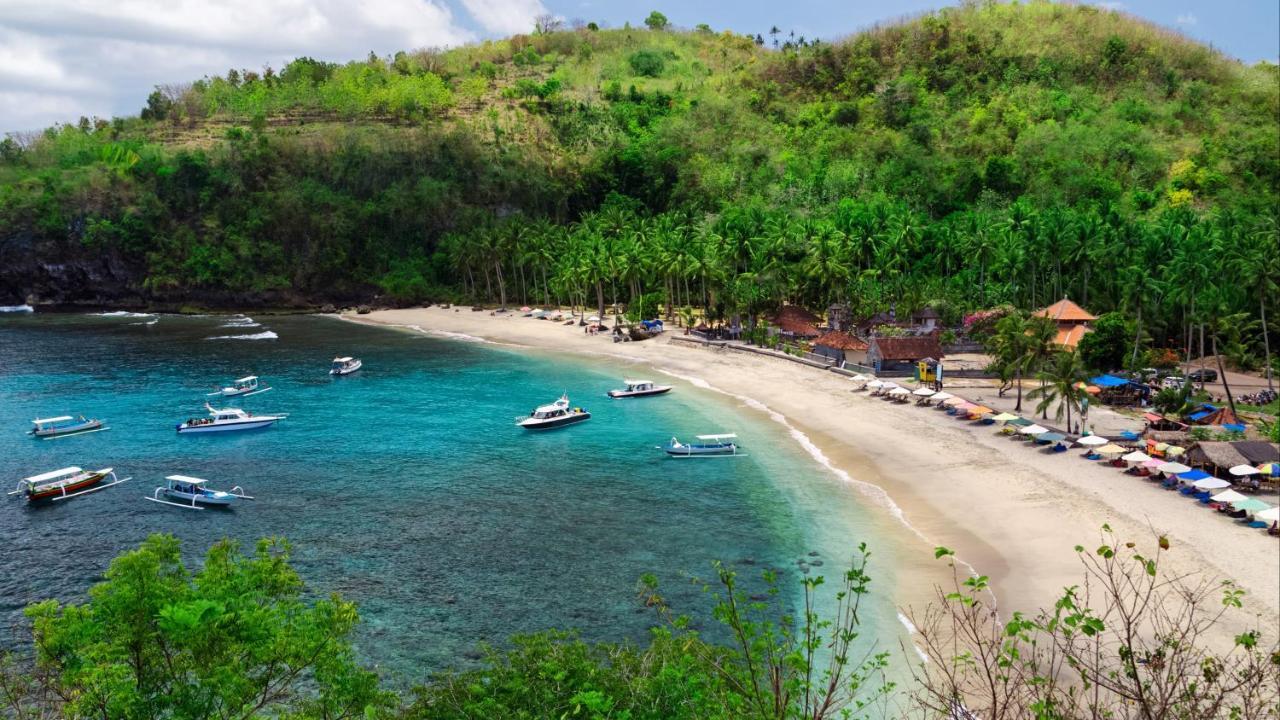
(722, 436)
(343, 360)
(187, 479)
(638, 382)
(45, 421)
(250, 378)
(55, 474)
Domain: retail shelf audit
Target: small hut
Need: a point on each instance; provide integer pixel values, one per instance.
(926, 318)
(842, 347)
(1071, 319)
(1215, 457)
(901, 353)
(796, 322)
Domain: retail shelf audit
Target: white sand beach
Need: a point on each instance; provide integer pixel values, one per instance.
(1009, 510)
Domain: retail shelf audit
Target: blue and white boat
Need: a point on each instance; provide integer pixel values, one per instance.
(639, 388)
(345, 366)
(707, 446)
(243, 387)
(227, 420)
(191, 493)
(555, 415)
(64, 425)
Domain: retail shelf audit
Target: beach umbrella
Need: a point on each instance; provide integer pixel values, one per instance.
(1228, 496)
(899, 392)
(1174, 450)
(524, 309)
(1212, 483)
(924, 392)
(1272, 515)
(1153, 463)
(942, 396)
(1130, 435)
(1004, 417)
(980, 410)
(1191, 475)
(875, 384)
(956, 401)
(1033, 430)
(1251, 505)
(860, 378)
(1271, 469)
(1093, 390)
(1091, 440)
(1110, 449)
(1162, 446)
(594, 318)
(1137, 456)
(1242, 470)
(1050, 437)
(1173, 468)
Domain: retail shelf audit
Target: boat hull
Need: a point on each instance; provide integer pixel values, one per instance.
(620, 394)
(339, 372)
(215, 500)
(49, 493)
(255, 424)
(68, 430)
(699, 450)
(553, 423)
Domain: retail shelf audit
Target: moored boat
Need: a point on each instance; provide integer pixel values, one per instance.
(191, 493)
(639, 388)
(228, 419)
(557, 414)
(64, 425)
(708, 446)
(345, 366)
(243, 387)
(66, 483)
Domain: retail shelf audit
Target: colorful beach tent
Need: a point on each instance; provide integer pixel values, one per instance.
(1137, 456)
(1251, 505)
(1092, 440)
(1272, 515)
(1033, 430)
(1111, 449)
(1243, 470)
(1209, 483)
(1228, 496)
(1173, 468)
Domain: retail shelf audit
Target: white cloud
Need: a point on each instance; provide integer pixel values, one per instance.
(1187, 20)
(90, 57)
(506, 17)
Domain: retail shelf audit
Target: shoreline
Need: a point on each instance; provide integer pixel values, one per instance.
(1010, 512)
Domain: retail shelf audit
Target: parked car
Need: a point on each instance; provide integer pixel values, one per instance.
(1173, 382)
(1203, 375)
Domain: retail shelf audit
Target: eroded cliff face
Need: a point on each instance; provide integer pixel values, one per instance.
(69, 276)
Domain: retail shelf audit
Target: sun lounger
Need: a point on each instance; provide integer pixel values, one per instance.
(1257, 524)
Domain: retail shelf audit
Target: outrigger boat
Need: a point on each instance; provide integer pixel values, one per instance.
(243, 387)
(710, 445)
(345, 366)
(193, 494)
(557, 414)
(639, 388)
(66, 483)
(228, 419)
(63, 426)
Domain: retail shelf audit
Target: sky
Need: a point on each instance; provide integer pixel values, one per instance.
(63, 59)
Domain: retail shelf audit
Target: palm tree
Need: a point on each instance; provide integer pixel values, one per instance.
(1042, 336)
(1011, 346)
(1064, 379)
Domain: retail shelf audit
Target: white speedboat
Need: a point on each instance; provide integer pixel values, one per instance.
(708, 446)
(226, 420)
(345, 366)
(191, 493)
(64, 425)
(66, 483)
(557, 414)
(243, 387)
(639, 388)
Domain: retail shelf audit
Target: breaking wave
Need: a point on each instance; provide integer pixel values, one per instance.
(16, 308)
(265, 335)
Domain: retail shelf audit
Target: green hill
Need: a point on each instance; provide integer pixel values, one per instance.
(983, 154)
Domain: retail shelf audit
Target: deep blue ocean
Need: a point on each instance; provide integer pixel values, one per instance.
(406, 487)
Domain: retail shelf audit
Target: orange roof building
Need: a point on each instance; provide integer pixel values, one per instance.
(1072, 320)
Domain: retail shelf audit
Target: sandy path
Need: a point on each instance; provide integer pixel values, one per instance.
(1011, 511)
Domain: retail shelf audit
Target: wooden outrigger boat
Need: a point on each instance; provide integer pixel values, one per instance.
(191, 493)
(244, 387)
(66, 483)
(64, 426)
(709, 446)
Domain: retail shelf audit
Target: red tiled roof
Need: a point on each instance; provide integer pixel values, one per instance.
(796, 320)
(1070, 336)
(907, 348)
(1065, 311)
(841, 341)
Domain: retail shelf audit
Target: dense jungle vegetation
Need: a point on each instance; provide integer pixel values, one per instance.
(985, 154)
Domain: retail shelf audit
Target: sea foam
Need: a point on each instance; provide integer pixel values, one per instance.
(123, 314)
(265, 335)
(16, 309)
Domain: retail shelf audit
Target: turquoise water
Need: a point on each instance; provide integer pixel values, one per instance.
(405, 487)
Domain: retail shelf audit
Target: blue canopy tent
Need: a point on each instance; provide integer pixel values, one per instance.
(1205, 411)
(1129, 435)
(1194, 475)
(1108, 381)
